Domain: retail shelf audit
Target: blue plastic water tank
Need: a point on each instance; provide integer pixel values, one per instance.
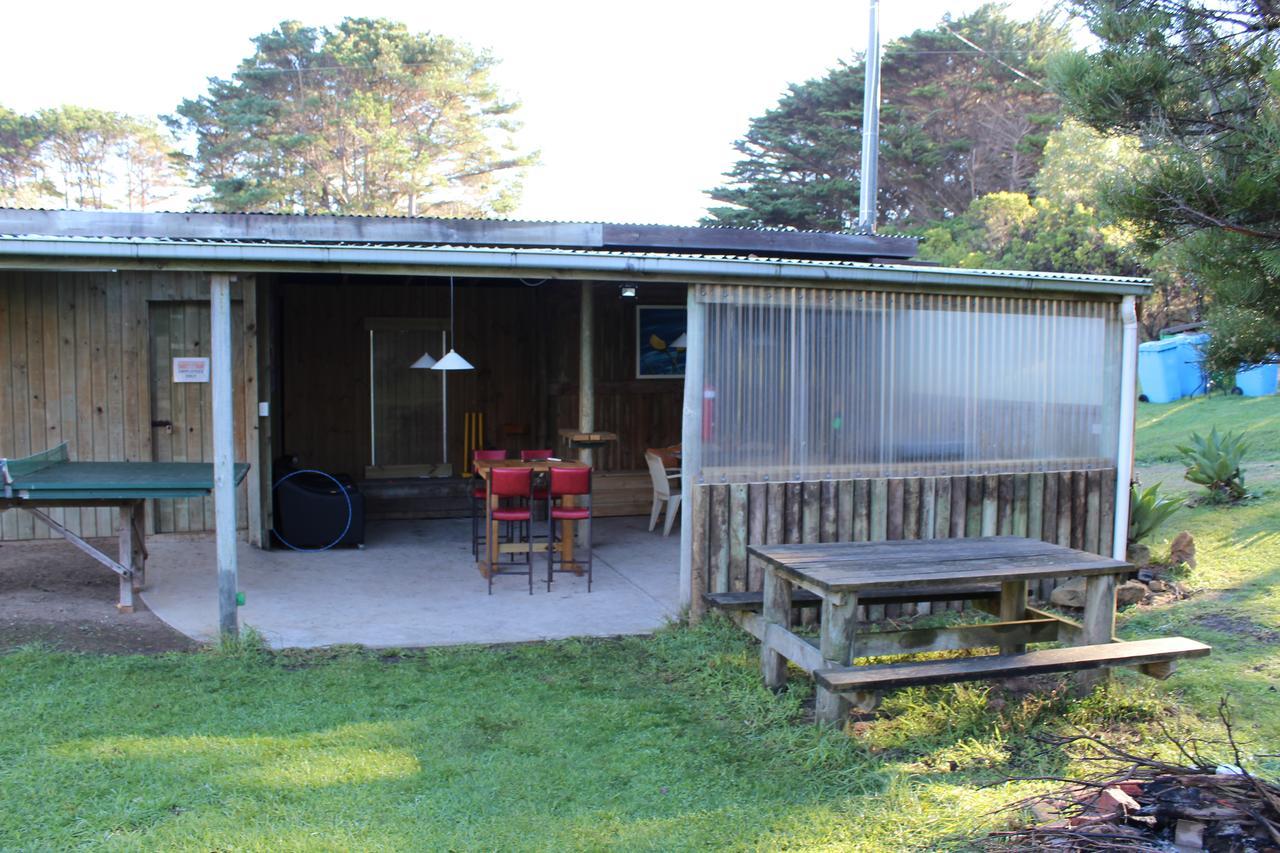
(1258, 380)
(1158, 370)
(1192, 378)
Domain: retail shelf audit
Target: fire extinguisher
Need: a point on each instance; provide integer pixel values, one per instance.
(708, 411)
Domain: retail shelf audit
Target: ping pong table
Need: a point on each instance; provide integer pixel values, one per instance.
(51, 479)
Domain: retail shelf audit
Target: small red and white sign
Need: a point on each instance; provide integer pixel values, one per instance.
(191, 370)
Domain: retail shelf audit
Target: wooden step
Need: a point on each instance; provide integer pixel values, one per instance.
(889, 676)
(803, 598)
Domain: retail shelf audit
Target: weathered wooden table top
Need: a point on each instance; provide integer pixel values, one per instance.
(854, 566)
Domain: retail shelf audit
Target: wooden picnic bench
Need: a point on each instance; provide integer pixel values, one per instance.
(842, 575)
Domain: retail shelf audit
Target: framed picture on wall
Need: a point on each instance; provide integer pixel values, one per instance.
(660, 345)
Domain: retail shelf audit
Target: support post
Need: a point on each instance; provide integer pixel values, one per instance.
(1098, 624)
(1128, 416)
(776, 611)
(836, 643)
(691, 447)
(224, 486)
(586, 368)
(868, 177)
(1013, 608)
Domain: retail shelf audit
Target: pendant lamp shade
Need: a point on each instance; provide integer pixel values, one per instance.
(452, 361)
(424, 362)
(681, 342)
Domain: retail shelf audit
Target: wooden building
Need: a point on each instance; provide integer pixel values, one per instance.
(832, 388)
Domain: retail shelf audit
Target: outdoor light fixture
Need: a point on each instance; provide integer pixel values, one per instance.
(628, 291)
(451, 359)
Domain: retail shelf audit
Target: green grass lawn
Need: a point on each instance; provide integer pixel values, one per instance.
(655, 743)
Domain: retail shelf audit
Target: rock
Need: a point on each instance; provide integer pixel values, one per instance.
(1139, 556)
(1183, 550)
(1069, 594)
(1130, 592)
(1157, 585)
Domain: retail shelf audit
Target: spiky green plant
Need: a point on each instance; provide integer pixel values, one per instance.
(1214, 462)
(1147, 511)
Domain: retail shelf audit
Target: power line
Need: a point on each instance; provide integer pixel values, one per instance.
(994, 58)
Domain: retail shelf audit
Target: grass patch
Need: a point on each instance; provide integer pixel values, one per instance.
(660, 743)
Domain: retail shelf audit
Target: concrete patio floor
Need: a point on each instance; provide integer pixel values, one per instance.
(415, 584)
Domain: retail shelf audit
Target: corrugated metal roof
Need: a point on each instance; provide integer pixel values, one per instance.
(265, 255)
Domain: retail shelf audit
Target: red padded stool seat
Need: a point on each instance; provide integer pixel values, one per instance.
(571, 513)
(565, 482)
(511, 514)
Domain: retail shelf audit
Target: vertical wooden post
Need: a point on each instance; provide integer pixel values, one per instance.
(1013, 607)
(839, 626)
(586, 367)
(777, 611)
(224, 442)
(692, 581)
(1098, 623)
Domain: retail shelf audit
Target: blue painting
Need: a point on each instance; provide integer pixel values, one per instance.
(659, 341)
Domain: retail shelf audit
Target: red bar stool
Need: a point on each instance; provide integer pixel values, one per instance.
(478, 496)
(539, 488)
(562, 484)
(509, 483)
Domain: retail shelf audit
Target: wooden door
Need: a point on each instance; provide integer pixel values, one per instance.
(182, 412)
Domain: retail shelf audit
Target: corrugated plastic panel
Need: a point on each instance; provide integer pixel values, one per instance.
(804, 384)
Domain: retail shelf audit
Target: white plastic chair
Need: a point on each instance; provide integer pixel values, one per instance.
(662, 492)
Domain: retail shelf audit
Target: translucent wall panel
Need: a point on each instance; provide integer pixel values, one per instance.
(803, 384)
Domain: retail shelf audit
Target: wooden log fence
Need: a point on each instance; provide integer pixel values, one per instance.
(1072, 508)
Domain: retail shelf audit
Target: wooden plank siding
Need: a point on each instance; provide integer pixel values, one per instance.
(79, 355)
(1043, 506)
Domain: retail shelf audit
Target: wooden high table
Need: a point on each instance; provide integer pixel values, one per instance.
(495, 549)
(838, 572)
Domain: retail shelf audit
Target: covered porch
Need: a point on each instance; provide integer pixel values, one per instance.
(417, 586)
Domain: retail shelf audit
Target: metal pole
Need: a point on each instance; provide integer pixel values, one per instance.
(586, 377)
(870, 125)
(224, 487)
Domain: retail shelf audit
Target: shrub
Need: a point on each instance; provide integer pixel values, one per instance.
(1214, 462)
(1147, 511)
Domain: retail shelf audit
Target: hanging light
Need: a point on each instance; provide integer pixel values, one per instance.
(451, 360)
(681, 342)
(423, 362)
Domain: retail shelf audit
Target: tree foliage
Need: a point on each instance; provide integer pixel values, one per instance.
(80, 157)
(956, 123)
(1198, 81)
(365, 117)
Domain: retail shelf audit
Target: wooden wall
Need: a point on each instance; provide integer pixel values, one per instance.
(643, 412)
(1073, 508)
(76, 365)
(522, 340)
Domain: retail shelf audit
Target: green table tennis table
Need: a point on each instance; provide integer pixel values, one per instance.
(51, 479)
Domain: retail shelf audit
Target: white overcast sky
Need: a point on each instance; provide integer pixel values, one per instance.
(634, 106)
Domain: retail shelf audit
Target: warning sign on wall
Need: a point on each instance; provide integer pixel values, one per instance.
(191, 370)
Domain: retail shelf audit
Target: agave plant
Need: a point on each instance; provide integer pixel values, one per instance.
(1214, 462)
(1147, 511)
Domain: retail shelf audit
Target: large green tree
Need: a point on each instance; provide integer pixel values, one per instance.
(956, 123)
(1198, 82)
(365, 117)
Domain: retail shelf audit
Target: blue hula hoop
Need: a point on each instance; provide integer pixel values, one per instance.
(341, 489)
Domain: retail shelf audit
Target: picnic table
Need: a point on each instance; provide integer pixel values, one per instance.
(839, 573)
(51, 479)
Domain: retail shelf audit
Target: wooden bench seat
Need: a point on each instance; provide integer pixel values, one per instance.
(1074, 658)
(754, 601)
